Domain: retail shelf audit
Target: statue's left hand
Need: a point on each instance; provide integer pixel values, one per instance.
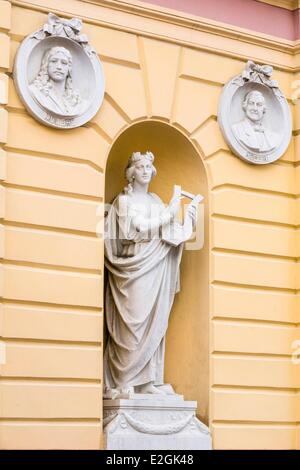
(192, 212)
(174, 205)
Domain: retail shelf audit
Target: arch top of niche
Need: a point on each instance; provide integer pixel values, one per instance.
(155, 126)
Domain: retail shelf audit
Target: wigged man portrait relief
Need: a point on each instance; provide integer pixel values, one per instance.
(251, 131)
(254, 115)
(53, 85)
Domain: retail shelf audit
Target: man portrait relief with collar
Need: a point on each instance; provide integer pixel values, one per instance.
(251, 131)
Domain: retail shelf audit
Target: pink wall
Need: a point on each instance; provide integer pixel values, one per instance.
(249, 14)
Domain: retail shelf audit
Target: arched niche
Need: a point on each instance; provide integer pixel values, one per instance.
(177, 162)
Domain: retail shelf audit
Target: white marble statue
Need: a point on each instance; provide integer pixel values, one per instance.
(143, 249)
(53, 86)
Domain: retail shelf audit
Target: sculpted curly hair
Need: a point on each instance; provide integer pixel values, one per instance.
(42, 80)
(129, 171)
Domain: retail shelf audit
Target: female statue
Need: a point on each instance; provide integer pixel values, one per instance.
(53, 86)
(143, 248)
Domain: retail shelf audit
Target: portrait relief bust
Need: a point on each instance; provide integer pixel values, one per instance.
(254, 115)
(58, 74)
(53, 85)
(251, 131)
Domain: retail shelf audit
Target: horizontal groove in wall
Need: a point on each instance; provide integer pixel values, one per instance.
(49, 304)
(18, 227)
(254, 222)
(16, 37)
(46, 344)
(33, 153)
(245, 220)
(254, 287)
(9, 340)
(89, 134)
(54, 192)
(266, 192)
(12, 223)
(284, 163)
(254, 254)
(254, 389)
(13, 109)
(254, 423)
(4, 31)
(253, 322)
(51, 381)
(52, 421)
(50, 267)
(251, 356)
(55, 308)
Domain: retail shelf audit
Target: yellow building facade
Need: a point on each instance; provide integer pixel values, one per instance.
(234, 329)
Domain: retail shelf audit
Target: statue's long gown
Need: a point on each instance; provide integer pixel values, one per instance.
(143, 278)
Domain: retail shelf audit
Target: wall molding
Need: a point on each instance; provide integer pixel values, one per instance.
(287, 4)
(198, 33)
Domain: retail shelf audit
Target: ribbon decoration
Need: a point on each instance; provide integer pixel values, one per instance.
(259, 73)
(62, 27)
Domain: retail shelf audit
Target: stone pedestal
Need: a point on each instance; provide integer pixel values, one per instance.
(145, 422)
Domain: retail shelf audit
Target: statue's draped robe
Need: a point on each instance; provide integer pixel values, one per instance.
(143, 277)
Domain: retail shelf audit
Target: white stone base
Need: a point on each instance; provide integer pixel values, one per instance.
(147, 422)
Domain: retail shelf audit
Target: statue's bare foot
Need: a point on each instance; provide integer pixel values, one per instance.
(150, 388)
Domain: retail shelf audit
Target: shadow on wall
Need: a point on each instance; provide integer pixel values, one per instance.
(177, 162)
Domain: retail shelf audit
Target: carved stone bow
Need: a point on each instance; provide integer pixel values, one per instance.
(259, 74)
(64, 28)
(61, 27)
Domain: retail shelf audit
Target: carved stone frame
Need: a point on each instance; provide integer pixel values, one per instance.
(255, 77)
(63, 33)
